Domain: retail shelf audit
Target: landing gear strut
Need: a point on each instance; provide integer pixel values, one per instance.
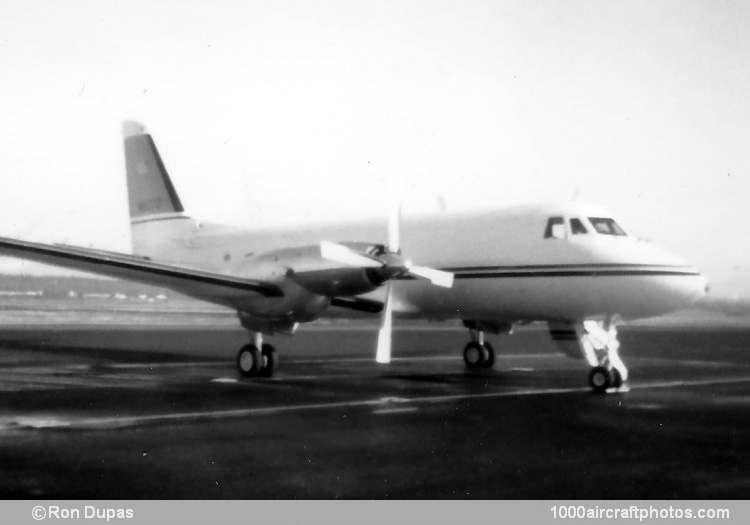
(256, 359)
(601, 348)
(478, 353)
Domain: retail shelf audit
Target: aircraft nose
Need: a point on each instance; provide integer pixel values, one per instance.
(692, 286)
(706, 285)
(701, 287)
(683, 284)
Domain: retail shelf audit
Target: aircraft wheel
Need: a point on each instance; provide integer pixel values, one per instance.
(475, 355)
(600, 379)
(490, 353)
(249, 361)
(269, 361)
(616, 378)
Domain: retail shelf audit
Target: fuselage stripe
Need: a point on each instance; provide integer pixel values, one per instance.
(576, 266)
(570, 270)
(574, 273)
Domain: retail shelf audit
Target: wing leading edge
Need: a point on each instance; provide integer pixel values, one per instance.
(214, 287)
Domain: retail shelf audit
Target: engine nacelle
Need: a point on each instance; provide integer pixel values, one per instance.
(305, 267)
(308, 282)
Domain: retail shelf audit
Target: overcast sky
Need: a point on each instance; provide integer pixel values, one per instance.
(284, 111)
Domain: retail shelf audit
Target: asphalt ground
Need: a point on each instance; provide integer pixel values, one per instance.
(159, 412)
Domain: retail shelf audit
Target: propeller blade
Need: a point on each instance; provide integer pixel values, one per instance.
(436, 277)
(383, 354)
(394, 229)
(341, 254)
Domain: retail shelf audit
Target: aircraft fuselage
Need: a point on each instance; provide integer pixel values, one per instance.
(509, 265)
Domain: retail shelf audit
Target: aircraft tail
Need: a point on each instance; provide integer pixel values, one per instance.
(158, 225)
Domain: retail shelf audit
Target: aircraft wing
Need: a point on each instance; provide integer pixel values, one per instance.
(209, 286)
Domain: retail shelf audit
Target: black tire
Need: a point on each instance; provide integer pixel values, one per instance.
(475, 355)
(616, 378)
(249, 361)
(269, 360)
(490, 353)
(600, 379)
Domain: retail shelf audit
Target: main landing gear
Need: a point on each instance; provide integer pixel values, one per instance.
(257, 359)
(478, 353)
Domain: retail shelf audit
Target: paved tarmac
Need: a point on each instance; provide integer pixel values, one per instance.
(138, 412)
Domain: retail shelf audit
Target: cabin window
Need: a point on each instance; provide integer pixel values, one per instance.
(577, 227)
(555, 228)
(606, 226)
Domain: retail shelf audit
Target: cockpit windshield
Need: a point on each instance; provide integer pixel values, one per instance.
(606, 226)
(577, 227)
(555, 228)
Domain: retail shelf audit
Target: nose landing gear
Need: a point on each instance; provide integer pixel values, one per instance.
(601, 346)
(602, 378)
(597, 342)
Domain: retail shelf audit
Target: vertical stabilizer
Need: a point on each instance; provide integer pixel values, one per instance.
(150, 189)
(158, 225)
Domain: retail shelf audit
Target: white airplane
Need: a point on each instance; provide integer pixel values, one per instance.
(568, 264)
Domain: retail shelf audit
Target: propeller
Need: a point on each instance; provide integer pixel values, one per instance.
(436, 277)
(332, 251)
(383, 353)
(385, 334)
(389, 264)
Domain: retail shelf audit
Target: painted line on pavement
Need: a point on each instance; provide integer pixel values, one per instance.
(382, 403)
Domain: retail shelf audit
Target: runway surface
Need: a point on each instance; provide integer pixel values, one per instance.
(116, 412)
